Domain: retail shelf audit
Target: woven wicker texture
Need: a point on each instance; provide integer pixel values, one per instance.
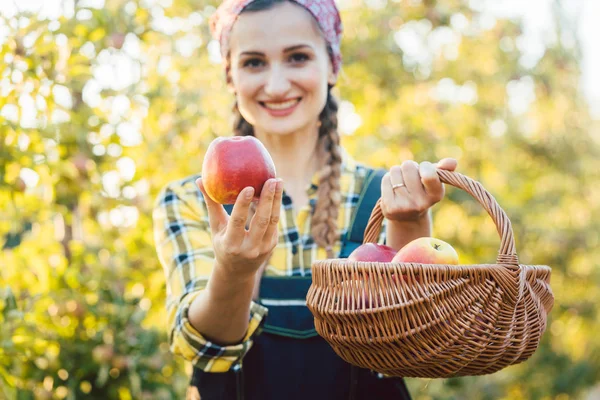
(433, 321)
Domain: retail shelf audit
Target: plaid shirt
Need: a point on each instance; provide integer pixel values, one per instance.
(183, 242)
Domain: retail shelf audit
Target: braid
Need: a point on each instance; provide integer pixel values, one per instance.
(324, 220)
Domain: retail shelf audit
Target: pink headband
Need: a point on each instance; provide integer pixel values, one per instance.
(324, 11)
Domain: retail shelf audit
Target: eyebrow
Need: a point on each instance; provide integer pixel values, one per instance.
(286, 50)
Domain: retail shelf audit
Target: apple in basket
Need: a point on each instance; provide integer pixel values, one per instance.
(367, 252)
(372, 252)
(233, 163)
(427, 250)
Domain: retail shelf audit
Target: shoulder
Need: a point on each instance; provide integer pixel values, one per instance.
(179, 190)
(354, 174)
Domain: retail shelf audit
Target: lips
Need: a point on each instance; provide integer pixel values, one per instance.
(280, 105)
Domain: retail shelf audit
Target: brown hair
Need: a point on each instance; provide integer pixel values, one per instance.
(324, 219)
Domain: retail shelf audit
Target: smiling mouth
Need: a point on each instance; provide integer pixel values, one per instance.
(280, 106)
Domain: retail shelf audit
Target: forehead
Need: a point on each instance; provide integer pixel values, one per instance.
(273, 29)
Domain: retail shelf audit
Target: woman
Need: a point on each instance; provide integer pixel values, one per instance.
(282, 58)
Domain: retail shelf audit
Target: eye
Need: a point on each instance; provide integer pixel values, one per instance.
(299, 57)
(252, 63)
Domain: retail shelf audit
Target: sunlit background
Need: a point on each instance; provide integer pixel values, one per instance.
(103, 102)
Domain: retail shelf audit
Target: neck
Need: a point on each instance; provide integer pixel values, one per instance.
(294, 154)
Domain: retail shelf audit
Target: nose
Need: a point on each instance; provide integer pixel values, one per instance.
(278, 83)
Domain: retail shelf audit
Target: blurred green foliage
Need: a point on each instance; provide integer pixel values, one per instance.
(104, 104)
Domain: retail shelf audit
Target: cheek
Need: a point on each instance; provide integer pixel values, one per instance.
(313, 79)
(244, 83)
(314, 83)
(246, 86)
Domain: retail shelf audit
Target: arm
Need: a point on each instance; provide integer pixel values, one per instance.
(222, 311)
(239, 255)
(184, 246)
(225, 295)
(400, 233)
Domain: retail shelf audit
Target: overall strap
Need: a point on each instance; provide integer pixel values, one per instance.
(370, 193)
(228, 208)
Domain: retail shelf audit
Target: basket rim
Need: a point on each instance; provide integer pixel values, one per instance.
(343, 263)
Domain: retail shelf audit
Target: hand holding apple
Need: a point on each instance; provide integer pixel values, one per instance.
(233, 163)
(239, 170)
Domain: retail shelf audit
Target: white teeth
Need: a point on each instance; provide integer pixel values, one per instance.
(281, 106)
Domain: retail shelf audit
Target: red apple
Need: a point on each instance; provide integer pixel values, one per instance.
(233, 163)
(427, 250)
(372, 252)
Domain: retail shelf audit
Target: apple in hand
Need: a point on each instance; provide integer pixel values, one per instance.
(233, 163)
(372, 252)
(427, 250)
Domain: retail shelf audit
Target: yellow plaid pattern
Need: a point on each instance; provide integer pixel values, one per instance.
(183, 243)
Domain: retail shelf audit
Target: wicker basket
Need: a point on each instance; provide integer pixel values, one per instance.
(436, 321)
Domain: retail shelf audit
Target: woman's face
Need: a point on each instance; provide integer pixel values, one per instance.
(280, 69)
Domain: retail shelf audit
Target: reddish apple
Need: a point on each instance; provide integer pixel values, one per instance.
(372, 252)
(233, 163)
(427, 250)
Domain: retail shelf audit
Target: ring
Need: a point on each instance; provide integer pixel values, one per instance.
(398, 185)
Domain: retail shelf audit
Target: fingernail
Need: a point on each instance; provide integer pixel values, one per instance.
(249, 192)
(273, 185)
(198, 181)
(279, 184)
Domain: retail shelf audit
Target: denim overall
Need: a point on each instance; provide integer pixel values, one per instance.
(289, 360)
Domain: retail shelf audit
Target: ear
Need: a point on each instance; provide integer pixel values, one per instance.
(229, 81)
(230, 87)
(331, 78)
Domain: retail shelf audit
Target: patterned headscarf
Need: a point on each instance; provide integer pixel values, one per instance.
(324, 11)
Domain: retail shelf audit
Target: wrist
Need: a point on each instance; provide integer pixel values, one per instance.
(401, 232)
(412, 220)
(232, 276)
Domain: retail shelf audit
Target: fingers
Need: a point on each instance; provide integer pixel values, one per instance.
(422, 189)
(217, 215)
(449, 164)
(386, 186)
(275, 212)
(431, 181)
(236, 228)
(262, 218)
(410, 174)
(397, 178)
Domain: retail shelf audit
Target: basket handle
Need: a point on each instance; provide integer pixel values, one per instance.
(507, 254)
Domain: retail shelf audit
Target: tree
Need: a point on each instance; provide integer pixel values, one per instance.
(104, 105)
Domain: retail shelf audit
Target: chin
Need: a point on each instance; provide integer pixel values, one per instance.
(280, 127)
